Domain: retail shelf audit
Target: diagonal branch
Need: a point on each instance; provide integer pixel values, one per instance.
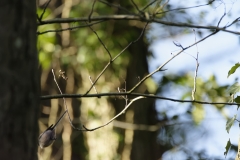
(101, 43)
(65, 104)
(161, 67)
(112, 60)
(135, 5)
(90, 14)
(44, 10)
(120, 113)
(114, 5)
(185, 8)
(70, 28)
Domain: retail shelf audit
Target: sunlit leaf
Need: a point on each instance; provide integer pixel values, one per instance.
(227, 147)
(230, 123)
(233, 69)
(234, 88)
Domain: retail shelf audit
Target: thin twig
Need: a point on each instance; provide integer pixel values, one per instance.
(105, 68)
(101, 43)
(65, 104)
(135, 5)
(92, 84)
(161, 67)
(149, 5)
(90, 14)
(222, 16)
(70, 28)
(196, 71)
(126, 107)
(114, 5)
(185, 8)
(133, 94)
(124, 90)
(44, 10)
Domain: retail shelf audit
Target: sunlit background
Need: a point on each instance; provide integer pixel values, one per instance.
(216, 57)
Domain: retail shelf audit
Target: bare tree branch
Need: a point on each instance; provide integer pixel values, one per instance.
(161, 67)
(112, 60)
(44, 10)
(102, 43)
(70, 28)
(126, 107)
(185, 8)
(90, 14)
(149, 5)
(92, 84)
(133, 94)
(196, 71)
(65, 104)
(114, 5)
(135, 5)
(139, 18)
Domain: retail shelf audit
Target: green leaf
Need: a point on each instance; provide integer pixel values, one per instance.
(227, 147)
(230, 123)
(233, 69)
(234, 88)
(237, 100)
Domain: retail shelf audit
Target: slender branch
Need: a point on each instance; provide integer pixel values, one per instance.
(133, 94)
(126, 107)
(135, 5)
(185, 8)
(65, 104)
(90, 14)
(161, 67)
(70, 28)
(222, 16)
(44, 10)
(136, 17)
(149, 4)
(196, 71)
(101, 43)
(233, 22)
(92, 84)
(105, 68)
(114, 5)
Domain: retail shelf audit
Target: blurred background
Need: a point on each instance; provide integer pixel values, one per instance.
(150, 129)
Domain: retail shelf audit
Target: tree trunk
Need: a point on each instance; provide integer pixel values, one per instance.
(19, 80)
(144, 144)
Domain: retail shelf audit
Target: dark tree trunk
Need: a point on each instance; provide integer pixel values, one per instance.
(19, 80)
(144, 145)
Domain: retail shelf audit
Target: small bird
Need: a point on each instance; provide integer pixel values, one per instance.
(48, 136)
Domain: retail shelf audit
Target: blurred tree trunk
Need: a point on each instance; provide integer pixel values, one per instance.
(19, 93)
(143, 145)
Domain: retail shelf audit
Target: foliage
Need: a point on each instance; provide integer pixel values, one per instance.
(227, 147)
(233, 69)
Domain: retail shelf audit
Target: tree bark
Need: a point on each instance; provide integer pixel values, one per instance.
(19, 80)
(144, 144)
